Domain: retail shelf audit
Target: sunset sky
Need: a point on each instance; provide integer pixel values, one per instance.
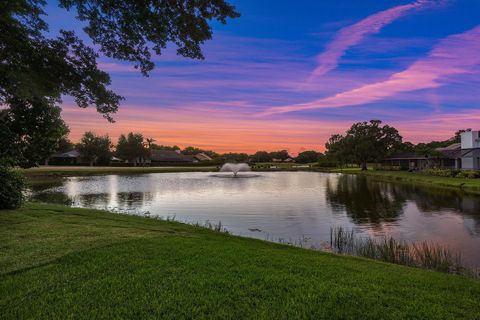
(288, 74)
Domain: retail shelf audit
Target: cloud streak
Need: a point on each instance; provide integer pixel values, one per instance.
(454, 55)
(354, 34)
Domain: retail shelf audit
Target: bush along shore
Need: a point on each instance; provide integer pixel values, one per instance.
(61, 262)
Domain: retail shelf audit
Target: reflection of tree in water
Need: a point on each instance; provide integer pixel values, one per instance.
(133, 200)
(365, 201)
(41, 184)
(437, 201)
(92, 199)
(369, 201)
(52, 197)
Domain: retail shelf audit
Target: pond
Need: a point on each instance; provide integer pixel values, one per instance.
(286, 206)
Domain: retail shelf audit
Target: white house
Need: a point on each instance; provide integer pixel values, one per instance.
(470, 150)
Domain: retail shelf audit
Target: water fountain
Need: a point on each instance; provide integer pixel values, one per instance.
(235, 168)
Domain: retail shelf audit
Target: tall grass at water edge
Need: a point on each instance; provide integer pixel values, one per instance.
(423, 254)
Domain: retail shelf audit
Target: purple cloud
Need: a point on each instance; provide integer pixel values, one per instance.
(454, 55)
(354, 34)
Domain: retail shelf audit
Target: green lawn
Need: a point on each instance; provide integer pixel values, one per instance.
(468, 185)
(58, 263)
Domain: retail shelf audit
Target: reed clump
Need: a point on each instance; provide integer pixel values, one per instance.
(423, 254)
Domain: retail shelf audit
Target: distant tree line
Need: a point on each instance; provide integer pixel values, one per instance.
(135, 148)
(362, 143)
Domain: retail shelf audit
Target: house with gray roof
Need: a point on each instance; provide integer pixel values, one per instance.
(463, 155)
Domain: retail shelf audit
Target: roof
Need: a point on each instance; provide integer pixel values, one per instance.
(453, 146)
(470, 153)
(452, 151)
(202, 157)
(68, 154)
(169, 156)
(406, 156)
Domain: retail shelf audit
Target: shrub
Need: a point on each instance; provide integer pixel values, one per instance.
(468, 174)
(325, 164)
(440, 172)
(11, 188)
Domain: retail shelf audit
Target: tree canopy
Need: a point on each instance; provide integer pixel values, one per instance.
(308, 156)
(37, 69)
(29, 132)
(35, 66)
(194, 150)
(132, 148)
(363, 142)
(280, 155)
(95, 149)
(261, 156)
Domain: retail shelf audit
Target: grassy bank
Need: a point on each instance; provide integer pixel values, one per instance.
(59, 262)
(467, 185)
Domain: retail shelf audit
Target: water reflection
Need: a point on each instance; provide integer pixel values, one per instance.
(365, 201)
(286, 205)
(374, 202)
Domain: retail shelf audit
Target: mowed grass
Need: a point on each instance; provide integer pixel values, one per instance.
(468, 185)
(58, 263)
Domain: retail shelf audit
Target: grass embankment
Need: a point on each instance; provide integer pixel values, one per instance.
(468, 185)
(59, 262)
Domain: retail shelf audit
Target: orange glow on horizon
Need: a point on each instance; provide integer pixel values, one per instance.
(228, 132)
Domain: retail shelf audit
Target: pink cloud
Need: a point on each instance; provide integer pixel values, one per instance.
(454, 55)
(354, 34)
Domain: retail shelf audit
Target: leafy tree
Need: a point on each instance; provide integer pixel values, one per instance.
(132, 148)
(235, 157)
(261, 156)
(364, 142)
(95, 149)
(11, 195)
(430, 147)
(65, 145)
(281, 155)
(30, 131)
(338, 149)
(36, 70)
(308, 156)
(458, 135)
(194, 151)
(34, 66)
(154, 146)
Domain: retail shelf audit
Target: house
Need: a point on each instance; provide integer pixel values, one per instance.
(470, 150)
(65, 158)
(202, 157)
(175, 156)
(463, 155)
(170, 156)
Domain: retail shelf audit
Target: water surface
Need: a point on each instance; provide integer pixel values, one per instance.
(286, 206)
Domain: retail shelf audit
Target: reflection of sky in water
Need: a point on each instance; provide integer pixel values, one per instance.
(287, 205)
